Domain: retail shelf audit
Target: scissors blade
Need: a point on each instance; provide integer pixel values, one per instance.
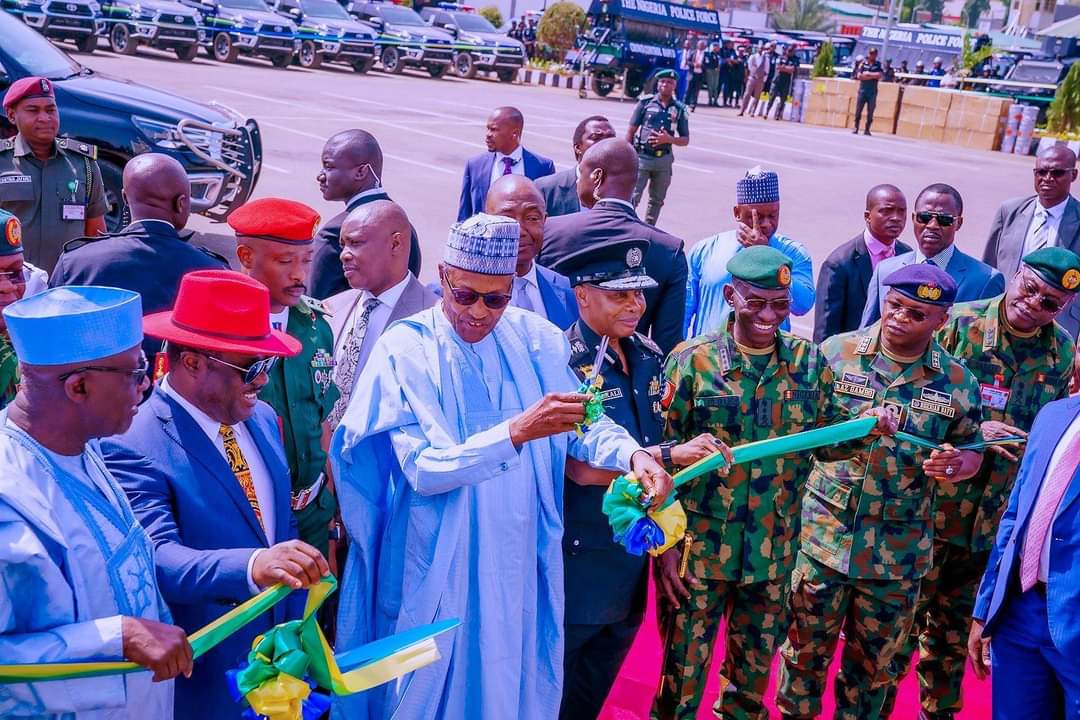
(600, 353)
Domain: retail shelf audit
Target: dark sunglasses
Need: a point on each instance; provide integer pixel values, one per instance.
(252, 371)
(1056, 173)
(943, 219)
(1030, 290)
(779, 305)
(137, 373)
(915, 315)
(15, 277)
(464, 296)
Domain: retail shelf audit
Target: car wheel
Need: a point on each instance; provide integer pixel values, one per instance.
(603, 84)
(506, 76)
(281, 60)
(391, 61)
(224, 50)
(634, 85)
(464, 66)
(362, 66)
(187, 53)
(309, 56)
(112, 177)
(437, 71)
(87, 44)
(120, 40)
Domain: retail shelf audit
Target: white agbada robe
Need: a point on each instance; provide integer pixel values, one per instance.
(73, 560)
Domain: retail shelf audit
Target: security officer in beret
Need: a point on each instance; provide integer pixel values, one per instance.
(53, 184)
(749, 381)
(1022, 360)
(275, 245)
(18, 279)
(658, 123)
(605, 585)
(867, 525)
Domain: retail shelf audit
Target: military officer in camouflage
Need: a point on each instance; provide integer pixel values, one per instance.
(748, 382)
(275, 246)
(1022, 360)
(867, 530)
(52, 184)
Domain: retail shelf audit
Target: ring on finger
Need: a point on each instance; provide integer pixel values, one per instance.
(950, 470)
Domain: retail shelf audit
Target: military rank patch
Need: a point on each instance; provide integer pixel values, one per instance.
(578, 347)
(864, 344)
(611, 394)
(847, 388)
(725, 357)
(935, 359)
(322, 359)
(669, 395)
(856, 378)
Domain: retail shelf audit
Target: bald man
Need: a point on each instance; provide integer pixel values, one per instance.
(544, 291)
(1050, 217)
(505, 156)
(605, 185)
(352, 171)
(382, 290)
(149, 256)
(845, 277)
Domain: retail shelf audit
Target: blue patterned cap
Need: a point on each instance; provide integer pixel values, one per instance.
(485, 244)
(67, 325)
(757, 187)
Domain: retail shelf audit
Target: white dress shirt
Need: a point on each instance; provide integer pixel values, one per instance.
(616, 201)
(518, 167)
(280, 320)
(364, 193)
(1055, 460)
(388, 300)
(527, 283)
(260, 475)
(1053, 224)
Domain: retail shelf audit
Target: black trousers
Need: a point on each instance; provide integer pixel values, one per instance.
(869, 100)
(694, 88)
(594, 654)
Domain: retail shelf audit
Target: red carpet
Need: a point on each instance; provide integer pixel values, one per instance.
(633, 692)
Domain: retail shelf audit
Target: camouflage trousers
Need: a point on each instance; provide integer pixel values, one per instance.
(756, 616)
(876, 617)
(942, 621)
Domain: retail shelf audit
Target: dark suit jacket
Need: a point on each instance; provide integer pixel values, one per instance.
(327, 277)
(841, 288)
(1001, 580)
(560, 192)
(560, 305)
(1006, 243)
(203, 530)
(665, 262)
(145, 258)
(477, 179)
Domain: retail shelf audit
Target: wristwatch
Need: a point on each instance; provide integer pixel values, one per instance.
(665, 452)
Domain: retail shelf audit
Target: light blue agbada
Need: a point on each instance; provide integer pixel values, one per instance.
(447, 519)
(73, 560)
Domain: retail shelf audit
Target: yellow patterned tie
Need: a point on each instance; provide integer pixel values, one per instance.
(241, 470)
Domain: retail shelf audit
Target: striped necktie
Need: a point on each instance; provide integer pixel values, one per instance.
(240, 468)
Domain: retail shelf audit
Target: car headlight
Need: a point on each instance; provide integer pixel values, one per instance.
(160, 134)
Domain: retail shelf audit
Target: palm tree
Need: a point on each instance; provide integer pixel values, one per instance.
(804, 15)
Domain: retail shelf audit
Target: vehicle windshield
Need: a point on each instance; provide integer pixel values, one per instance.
(1036, 72)
(245, 5)
(473, 23)
(400, 16)
(324, 9)
(33, 53)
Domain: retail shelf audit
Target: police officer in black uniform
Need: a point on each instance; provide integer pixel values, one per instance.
(659, 122)
(605, 585)
(868, 74)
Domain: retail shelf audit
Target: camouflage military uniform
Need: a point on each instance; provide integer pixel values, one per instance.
(744, 526)
(866, 526)
(1017, 377)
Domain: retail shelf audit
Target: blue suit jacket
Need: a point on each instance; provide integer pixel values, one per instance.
(560, 305)
(975, 280)
(204, 531)
(477, 179)
(1001, 579)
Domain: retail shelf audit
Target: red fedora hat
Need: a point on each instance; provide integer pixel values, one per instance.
(221, 310)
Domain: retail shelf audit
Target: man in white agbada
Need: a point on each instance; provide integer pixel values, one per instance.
(77, 580)
(449, 466)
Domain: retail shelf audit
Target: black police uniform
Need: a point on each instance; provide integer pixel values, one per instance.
(867, 96)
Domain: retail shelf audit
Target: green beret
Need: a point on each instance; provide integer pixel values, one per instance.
(1057, 266)
(761, 266)
(10, 234)
(665, 74)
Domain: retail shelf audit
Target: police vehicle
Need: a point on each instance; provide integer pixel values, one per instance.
(162, 24)
(478, 45)
(220, 150)
(245, 27)
(629, 40)
(405, 40)
(77, 21)
(329, 34)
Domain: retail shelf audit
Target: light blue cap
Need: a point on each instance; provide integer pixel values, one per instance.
(485, 244)
(67, 325)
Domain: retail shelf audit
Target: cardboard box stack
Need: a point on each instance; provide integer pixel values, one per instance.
(924, 112)
(888, 103)
(976, 120)
(830, 102)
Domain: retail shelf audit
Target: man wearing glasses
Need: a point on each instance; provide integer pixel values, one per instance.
(449, 465)
(1022, 360)
(18, 279)
(1049, 218)
(938, 215)
(204, 469)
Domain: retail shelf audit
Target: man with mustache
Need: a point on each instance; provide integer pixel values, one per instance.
(275, 245)
(938, 215)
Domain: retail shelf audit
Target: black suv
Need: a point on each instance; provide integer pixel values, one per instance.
(329, 34)
(162, 24)
(78, 21)
(248, 27)
(220, 150)
(405, 40)
(478, 44)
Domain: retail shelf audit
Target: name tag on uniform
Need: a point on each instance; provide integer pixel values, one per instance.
(13, 179)
(611, 394)
(847, 388)
(74, 212)
(995, 398)
(801, 395)
(932, 407)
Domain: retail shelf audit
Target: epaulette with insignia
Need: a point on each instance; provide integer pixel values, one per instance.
(216, 256)
(7, 144)
(78, 146)
(316, 305)
(648, 344)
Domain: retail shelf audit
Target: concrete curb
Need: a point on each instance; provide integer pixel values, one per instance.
(529, 76)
